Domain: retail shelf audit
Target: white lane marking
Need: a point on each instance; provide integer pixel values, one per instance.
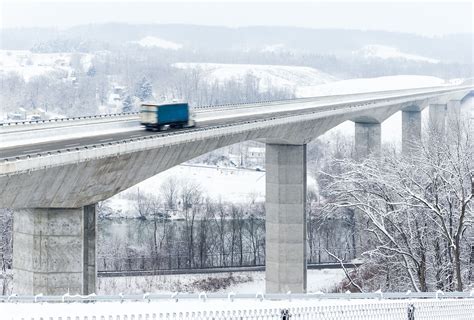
(108, 139)
(72, 144)
(34, 150)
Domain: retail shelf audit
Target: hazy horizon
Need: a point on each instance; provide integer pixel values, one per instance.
(420, 18)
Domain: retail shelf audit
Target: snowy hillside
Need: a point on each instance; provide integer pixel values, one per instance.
(155, 42)
(385, 52)
(275, 76)
(28, 64)
(369, 85)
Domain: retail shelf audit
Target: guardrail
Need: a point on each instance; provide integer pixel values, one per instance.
(202, 306)
(66, 119)
(149, 272)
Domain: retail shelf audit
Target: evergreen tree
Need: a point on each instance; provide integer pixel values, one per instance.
(144, 89)
(127, 104)
(92, 71)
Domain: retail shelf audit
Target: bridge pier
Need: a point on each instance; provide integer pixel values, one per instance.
(285, 218)
(453, 111)
(368, 139)
(54, 251)
(411, 130)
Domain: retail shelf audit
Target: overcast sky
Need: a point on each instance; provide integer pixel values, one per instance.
(427, 18)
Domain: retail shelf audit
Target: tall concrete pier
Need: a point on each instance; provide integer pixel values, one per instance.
(453, 111)
(285, 218)
(368, 139)
(54, 251)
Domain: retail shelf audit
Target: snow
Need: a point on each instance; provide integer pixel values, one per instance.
(154, 42)
(270, 76)
(228, 184)
(28, 64)
(362, 85)
(166, 308)
(272, 48)
(386, 52)
(323, 280)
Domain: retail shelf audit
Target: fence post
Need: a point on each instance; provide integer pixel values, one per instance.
(285, 314)
(411, 312)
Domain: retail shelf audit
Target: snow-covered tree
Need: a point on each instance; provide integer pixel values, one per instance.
(127, 104)
(144, 89)
(417, 212)
(91, 71)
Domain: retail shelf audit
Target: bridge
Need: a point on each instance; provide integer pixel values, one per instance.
(52, 173)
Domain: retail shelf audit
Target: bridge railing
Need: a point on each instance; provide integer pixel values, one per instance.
(435, 305)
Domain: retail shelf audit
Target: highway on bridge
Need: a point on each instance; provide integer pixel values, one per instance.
(218, 116)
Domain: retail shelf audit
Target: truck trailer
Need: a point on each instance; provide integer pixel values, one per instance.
(156, 117)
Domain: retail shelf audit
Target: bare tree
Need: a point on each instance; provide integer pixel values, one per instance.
(191, 197)
(6, 225)
(416, 206)
(169, 190)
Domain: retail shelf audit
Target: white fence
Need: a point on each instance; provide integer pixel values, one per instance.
(233, 307)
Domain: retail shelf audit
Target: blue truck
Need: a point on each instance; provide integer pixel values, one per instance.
(156, 117)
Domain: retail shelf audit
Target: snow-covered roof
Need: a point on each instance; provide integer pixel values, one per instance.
(150, 41)
(256, 150)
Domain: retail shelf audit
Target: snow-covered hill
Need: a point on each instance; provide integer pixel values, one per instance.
(28, 64)
(369, 85)
(270, 76)
(386, 52)
(155, 42)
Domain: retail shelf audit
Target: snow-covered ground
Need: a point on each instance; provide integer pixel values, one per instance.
(244, 282)
(228, 184)
(154, 42)
(254, 308)
(270, 76)
(369, 85)
(386, 52)
(28, 64)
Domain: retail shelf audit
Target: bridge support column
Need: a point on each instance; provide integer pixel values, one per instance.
(285, 218)
(411, 131)
(453, 111)
(437, 121)
(54, 251)
(368, 139)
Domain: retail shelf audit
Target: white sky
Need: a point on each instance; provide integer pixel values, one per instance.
(421, 17)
